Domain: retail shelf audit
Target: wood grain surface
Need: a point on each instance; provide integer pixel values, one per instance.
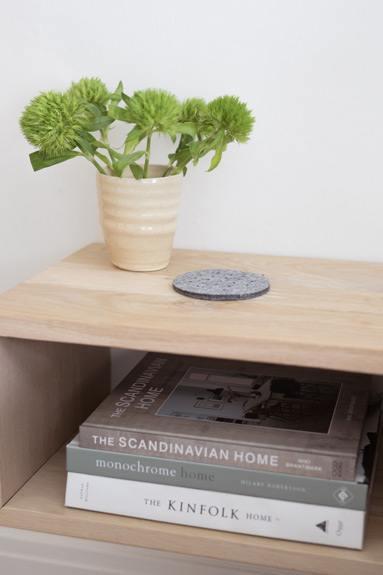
(318, 313)
(47, 389)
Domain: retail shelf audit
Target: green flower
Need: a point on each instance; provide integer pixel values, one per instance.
(53, 122)
(91, 90)
(193, 110)
(233, 117)
(153, 109)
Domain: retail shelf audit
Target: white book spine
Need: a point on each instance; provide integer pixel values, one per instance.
(222, 511)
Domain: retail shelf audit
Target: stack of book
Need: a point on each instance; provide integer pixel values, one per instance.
(277, 452)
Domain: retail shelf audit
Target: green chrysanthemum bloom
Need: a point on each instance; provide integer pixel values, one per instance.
(52, 122)
(91, 90)
(193, 110)
(234, 116)
(153, 109)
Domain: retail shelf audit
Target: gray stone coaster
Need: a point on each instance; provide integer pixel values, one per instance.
(221, 285)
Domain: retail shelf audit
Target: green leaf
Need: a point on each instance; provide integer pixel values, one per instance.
(181, 167)
(90, 138)
(118, 113)
(134, 137)
(136, 155)
(114, 154)
(219, 144)
(135, 133)
(40, 161)
(184, 143)
(216, 159)
(125, 161)
(86, 147)
(125, 99)
(185, 128)
(117, 95)
(93, 109)
(95, 124)
(137, 171)
(180, 155)
(200, 149)
(97, 144)
(105, 159)
(173, 135)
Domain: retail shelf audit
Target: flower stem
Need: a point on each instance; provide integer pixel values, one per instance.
(147, 155)
(167, 169)
(99, 168)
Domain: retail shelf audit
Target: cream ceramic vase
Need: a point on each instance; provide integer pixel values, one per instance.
(139, 218)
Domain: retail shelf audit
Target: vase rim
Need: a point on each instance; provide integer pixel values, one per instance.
(158, 169)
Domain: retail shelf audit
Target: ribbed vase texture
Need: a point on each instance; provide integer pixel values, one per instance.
(139, 218)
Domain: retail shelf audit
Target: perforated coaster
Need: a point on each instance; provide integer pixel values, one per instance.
(221, 284)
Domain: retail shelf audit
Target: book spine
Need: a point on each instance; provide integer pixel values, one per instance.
(226, 512)
(280, 460)
(187, 474)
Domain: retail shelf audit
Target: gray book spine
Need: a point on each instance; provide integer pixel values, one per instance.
(281, 460)
(286, 487)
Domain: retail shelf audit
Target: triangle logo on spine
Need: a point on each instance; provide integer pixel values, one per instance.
(323, 526)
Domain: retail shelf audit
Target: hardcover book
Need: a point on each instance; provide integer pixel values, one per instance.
(235, 414)
(302, 522)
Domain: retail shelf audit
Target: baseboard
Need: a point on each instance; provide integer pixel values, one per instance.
(34, 553)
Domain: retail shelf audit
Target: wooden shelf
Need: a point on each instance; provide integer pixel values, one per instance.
(318, 313)
(39, 506)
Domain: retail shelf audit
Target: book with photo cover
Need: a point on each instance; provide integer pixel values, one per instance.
(233, 413)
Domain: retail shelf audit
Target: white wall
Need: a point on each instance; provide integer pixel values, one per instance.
(310, 181)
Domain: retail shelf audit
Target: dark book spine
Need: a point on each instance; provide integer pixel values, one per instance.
(279, 460)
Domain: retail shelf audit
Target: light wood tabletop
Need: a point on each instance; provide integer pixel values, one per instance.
(318, 313)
